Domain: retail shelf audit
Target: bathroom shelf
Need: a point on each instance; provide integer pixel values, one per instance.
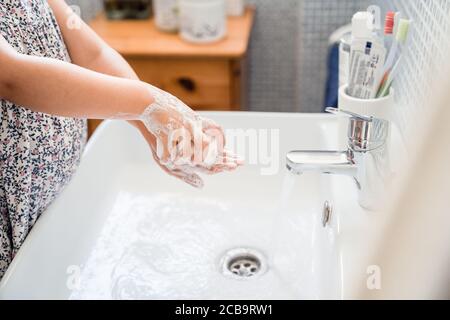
(141, 37)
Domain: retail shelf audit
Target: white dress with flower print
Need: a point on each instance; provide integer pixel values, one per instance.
(38, 153)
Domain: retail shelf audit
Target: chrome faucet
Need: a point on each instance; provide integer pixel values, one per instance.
(366, 159)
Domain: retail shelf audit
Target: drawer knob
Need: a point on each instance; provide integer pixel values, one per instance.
(187, 83)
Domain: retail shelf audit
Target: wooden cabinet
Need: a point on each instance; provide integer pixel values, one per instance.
(204, 84)
(206, 77)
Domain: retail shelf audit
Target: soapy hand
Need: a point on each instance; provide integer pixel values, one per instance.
(185, 143)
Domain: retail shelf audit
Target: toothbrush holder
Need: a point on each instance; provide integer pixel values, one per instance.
(381, 108)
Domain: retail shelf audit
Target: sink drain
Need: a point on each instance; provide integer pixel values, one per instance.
(242, 263)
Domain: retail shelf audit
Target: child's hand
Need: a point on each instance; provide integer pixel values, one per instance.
(186, 144)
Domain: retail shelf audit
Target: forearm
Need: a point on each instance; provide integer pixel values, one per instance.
(88, 50)
(59, 88)
(108, 61)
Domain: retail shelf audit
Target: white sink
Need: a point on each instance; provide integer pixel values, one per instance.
(123, 229)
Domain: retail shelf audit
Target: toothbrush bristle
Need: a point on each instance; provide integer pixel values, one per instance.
(403, 29)
(389, 24)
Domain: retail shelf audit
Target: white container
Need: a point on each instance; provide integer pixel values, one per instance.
(235, 8)
(381, 108)
(203, 21)
(166, 15)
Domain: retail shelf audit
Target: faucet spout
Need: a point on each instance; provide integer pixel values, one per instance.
(324, 162)
(366, 159)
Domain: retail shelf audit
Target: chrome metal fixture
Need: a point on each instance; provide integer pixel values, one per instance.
(366, 159)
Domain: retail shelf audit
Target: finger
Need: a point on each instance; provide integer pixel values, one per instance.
(230, 158)
(194, 128)
(192, 179)
(162, 150)
(208, 124)
(181, 146)
(225, 162)
(232, 155)
(216, 169)
(211, 128)
(189, 178)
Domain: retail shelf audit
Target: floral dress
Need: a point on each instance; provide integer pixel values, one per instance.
(38, 152)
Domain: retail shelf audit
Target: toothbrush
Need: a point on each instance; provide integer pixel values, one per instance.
(389, 30)
(400, 38)
(386, 87)
(389, 27)
(397, 18)
(401, 34)
(389, 24)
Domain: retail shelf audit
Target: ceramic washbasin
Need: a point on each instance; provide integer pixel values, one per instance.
(123, 229)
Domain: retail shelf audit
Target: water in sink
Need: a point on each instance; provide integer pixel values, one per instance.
(281, 219)
(137, 233)
(168, 246)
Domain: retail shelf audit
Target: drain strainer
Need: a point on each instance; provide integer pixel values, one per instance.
(242, 263)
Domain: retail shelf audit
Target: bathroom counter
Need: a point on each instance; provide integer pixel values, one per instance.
(206, 76)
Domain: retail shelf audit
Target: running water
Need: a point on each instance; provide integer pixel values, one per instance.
(281, 220)
(289, 183)
(293, 235)
(280, 216)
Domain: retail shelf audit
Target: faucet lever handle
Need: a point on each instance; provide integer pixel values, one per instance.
(350, 114)
(365, 133)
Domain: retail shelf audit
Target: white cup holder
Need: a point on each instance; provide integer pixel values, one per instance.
(379, 108)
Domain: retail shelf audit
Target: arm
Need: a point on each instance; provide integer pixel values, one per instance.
(88, 50)
(85, 47)
(95, 87)
(60, 88)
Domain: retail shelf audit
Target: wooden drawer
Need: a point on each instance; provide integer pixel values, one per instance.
(202, 84)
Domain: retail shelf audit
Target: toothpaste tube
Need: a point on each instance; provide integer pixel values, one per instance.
(367, 57)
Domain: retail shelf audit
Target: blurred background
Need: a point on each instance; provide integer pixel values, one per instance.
(276, 56)
(287, 51)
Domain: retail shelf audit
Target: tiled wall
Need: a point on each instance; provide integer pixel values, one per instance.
(318, 20)
(427, 50)
(274, 56)
(289, 49)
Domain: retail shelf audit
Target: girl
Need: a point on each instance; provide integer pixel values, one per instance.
(55, 72)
